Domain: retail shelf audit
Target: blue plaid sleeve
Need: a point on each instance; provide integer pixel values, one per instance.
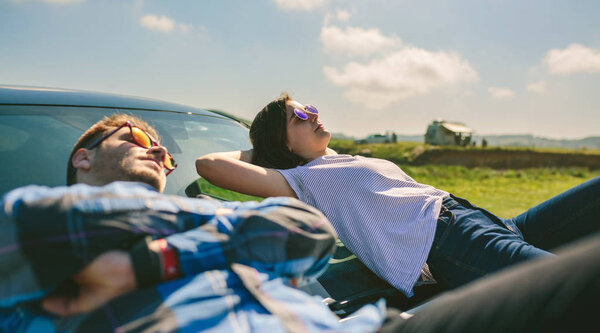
(281, 235)
(278, 235)
(50, 234)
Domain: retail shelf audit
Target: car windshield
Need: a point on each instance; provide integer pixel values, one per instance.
(35, 141)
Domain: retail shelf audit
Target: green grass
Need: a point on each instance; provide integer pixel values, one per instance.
(505, 193)
(212, 190)
(400, 152)
(405, 152)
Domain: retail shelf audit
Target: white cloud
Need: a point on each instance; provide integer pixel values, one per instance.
(574, 59)
(408, 72)
(300, 4)
(164, 24)
(156, 23)
(342, 16)
(356, 41)
(185, 27)
(501, 93)
(339, 16)
(537, 87)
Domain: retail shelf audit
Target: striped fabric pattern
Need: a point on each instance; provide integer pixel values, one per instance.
(380, 213)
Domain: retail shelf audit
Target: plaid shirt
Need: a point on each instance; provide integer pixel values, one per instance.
(234, 261)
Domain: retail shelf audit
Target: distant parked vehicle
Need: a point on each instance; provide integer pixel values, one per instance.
(443, 133)
(386, 137)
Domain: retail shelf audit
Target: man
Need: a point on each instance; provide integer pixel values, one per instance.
(112, 253)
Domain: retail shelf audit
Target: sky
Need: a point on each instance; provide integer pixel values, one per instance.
(499, 66)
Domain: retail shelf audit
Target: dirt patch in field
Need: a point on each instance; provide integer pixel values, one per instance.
(502, 159)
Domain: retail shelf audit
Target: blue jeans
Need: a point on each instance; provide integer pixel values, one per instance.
(559, 294)
(471, 242)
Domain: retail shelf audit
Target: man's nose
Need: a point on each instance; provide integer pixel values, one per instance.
(312, 116)
(160, 152)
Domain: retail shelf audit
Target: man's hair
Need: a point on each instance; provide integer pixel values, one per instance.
(268, 135)
(101, 128)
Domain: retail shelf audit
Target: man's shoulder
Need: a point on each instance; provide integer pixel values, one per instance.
(38, 192)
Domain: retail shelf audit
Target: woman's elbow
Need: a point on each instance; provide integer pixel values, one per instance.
(204, 164)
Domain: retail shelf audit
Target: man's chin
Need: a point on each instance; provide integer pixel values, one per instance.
(147, 177)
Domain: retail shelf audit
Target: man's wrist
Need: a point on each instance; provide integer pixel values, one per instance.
(154, 261)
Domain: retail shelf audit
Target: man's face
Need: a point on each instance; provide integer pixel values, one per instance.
(119, 158)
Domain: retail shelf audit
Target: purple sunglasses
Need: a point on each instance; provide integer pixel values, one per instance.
(302, 114)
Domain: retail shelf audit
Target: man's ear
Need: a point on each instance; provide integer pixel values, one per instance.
(82, 159)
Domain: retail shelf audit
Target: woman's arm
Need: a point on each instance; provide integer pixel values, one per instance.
(233, 171)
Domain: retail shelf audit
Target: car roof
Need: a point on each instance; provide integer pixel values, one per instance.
(26, 95)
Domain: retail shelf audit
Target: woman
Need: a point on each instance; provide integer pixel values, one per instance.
(393, 224)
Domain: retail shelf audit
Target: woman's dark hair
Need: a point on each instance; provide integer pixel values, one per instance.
(268, 134)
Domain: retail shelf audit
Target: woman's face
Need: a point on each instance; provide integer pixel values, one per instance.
(306, 138)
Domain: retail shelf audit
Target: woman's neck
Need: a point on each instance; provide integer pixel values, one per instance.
(327, 151)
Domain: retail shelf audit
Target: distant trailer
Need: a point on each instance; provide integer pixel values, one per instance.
(443, 133)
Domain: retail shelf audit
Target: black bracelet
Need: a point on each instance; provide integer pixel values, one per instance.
(146, 264)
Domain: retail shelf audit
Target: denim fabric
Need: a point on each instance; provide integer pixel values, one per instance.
(560, 294)
(471, 242)
(564, 218)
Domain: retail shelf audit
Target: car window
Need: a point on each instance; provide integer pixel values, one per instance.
(34, 150)
(37, 141)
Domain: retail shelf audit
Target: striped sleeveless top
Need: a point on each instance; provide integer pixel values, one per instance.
(380, 213)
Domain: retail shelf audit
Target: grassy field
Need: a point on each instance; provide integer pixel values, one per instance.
(506, 193)
(220, 193)
(406, 152)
